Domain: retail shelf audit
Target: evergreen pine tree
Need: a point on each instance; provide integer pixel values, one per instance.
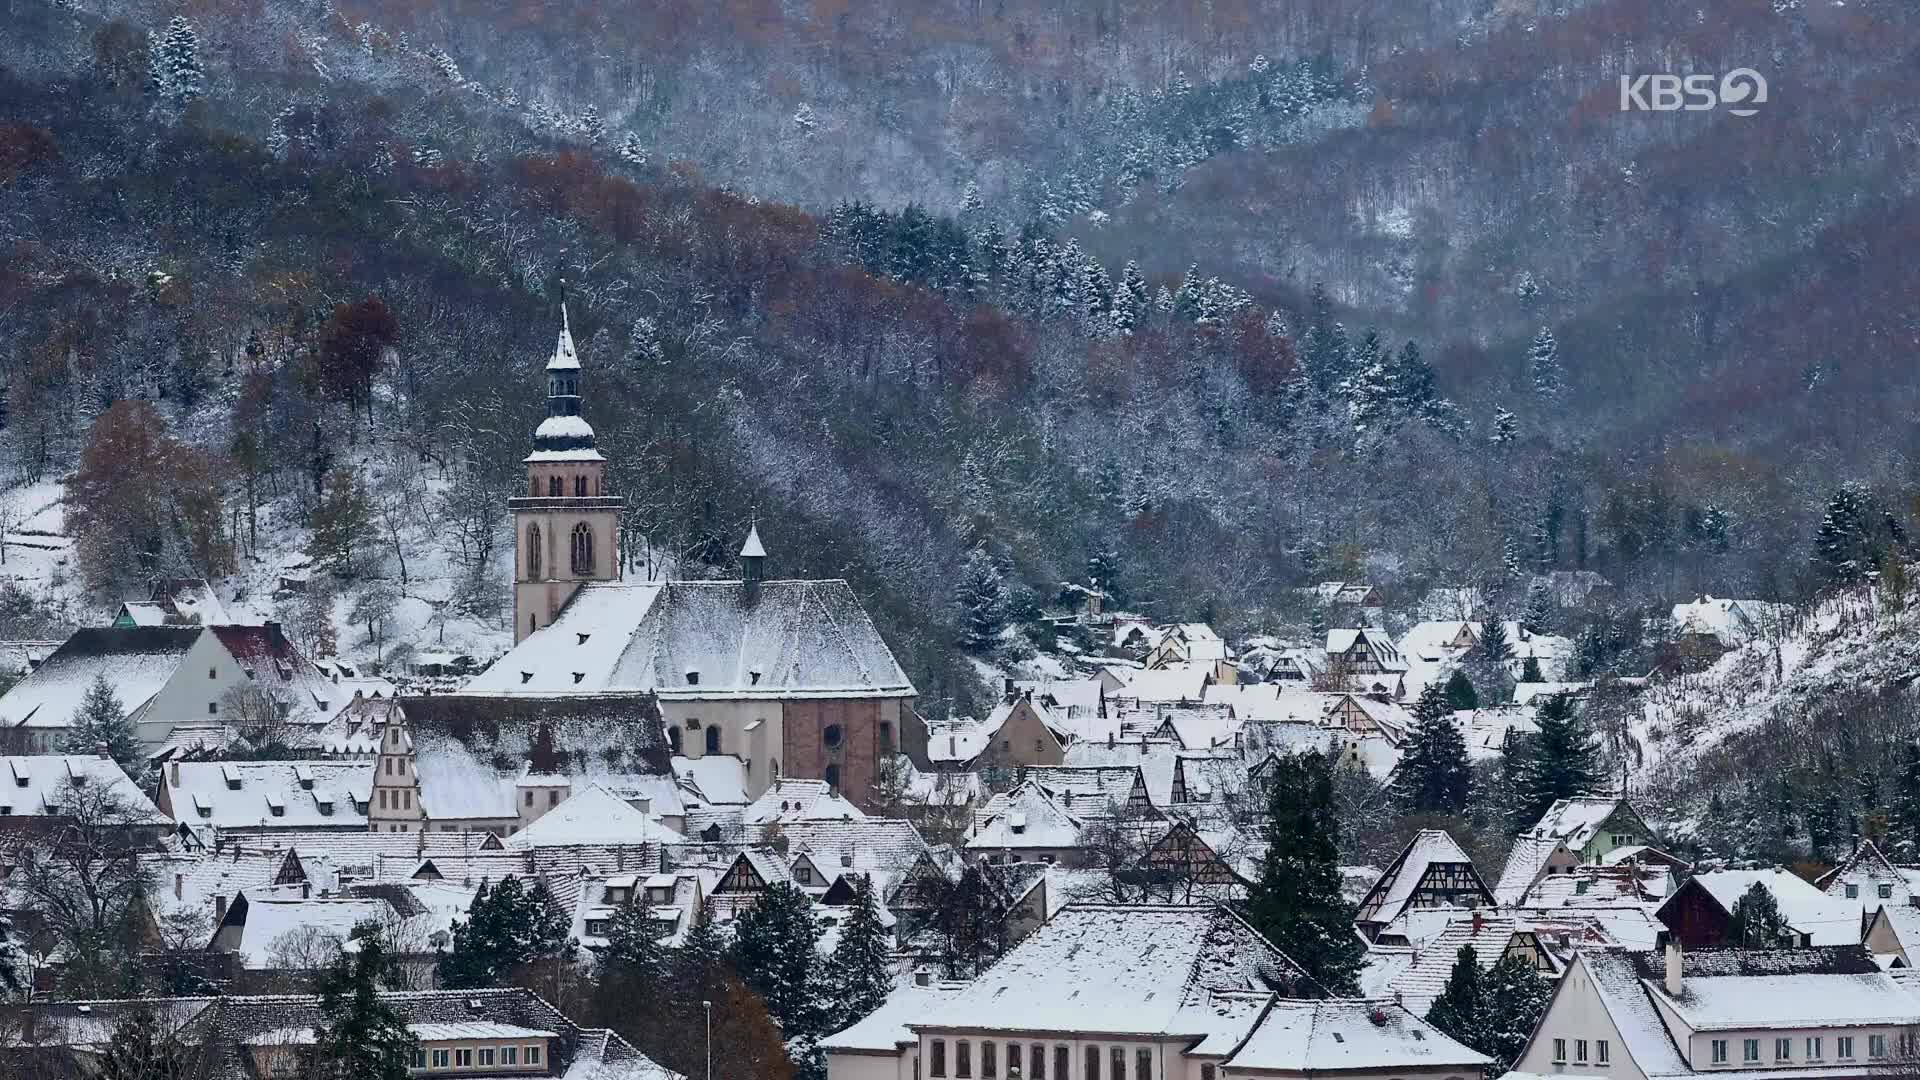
(860, 971)
(593, 128)
(1756, 922)
(341, 522)
(1530, 671)
(1558, 762)
(1537, 616)
(1506, 428)
(1132, 300)
(507, 927)
(774, 952)
(1459, 1011)
(102, 721)
(1461, 696)
(1543, 364)
(633, 953)
(359, 1037)
(1856, 534)
(1297, 903)
(982, 600)
(632, 150)
(1515, 998)
(1434, 776)
(176, 75)
(1494, 645)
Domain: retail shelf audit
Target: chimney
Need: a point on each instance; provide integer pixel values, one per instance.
(1479, 922)
(1007, 686)
(179, 885)
(219, 908)
(100, 749)
(1675, 985)
(922, 977)
(953, 745)
(176, 774)
(306, 890)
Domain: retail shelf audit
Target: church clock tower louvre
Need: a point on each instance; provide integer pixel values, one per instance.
(566, 527)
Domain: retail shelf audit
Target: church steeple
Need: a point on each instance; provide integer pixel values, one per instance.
(566, 526)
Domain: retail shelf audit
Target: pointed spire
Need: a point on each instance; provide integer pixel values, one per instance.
(753, 549)
(565, 358)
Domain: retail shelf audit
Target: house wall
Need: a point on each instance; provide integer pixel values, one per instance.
(862, 741)
(1868, 878)
(1576, 1012)
(845, 1065)
(1695, 918)
(1882, 940)
(1168, 1057)
(749, 730)
(1023, 740)
(205, 675)
(1619, 830)
(395, 784)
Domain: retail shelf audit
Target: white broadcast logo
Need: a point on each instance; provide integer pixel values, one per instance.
(1738, 90)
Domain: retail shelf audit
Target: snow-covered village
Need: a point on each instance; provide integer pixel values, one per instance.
(803, 540)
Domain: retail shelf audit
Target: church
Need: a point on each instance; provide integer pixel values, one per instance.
(789, 676)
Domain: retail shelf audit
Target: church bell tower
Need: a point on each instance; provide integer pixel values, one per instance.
(566, 527)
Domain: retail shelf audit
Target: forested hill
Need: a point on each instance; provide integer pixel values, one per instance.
(327, 245)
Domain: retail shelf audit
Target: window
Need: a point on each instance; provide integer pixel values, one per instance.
(1039, 1059)
(598, 927)
(1560, 1051)
(383, 798)
(1885, 890)
(1062, 1062)
(486, 1057)
(1853, 891)
(212, 674)
(463, 1058)
(553, 798)
(1843, 1046)
(533, 1055)
(1719, 1051)
(1783, 1049)
(937, 1057)
(962, 1058)
(1119, 1063)
(509, 1055)
(831, 736)
(1876, 1046)
(1143, 1064)
(1013, 1061)
(713, 739)
(832, 776)
(1207, 1071)
(580, 485)
(213, 708)
(1580, 1050)
(886, 735)
(989, 1061)
(529, 798)
(440, 1059)
(533, 623)
(1600, 1051)
(582, 547)
(1093, 1064)
(1813, 1048)
(419, 1059)
(533, 551)
(673, 739)
(1750, 1050)
(553, 486)
(804, 876)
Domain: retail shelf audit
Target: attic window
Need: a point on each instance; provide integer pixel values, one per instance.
(693, 678)
(276, 807)
(577, 676)
(1337, 1038)
(232, 777)
(584, 637)
(753, 677)
(526, 677)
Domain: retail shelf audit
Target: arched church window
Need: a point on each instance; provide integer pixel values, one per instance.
(673, 739)
(553, 487)
(713, 739)
(582, 549)
(580, 485)
(533, 551)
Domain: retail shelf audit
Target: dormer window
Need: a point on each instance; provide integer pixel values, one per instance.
(526, 677)
(584, 637)
(577, 676)
(693, 678)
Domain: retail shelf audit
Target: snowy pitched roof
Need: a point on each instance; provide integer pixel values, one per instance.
(1824, 919)
(1576, 820)
(269, 794)
(1154, 758)
(455, 784)
(136, 661)
(593, 816)
(697, 640)
(273, 663)
(37, 785)
(565, 356)
(1723, 1003)
(1732, 622)
(1132, 970)
(885, 1030)
(1488, 731)
(866, 846)
(1526, 862)
(1068, 696)
(753, 548)
(716, 779)
(268, 920)
(1314, 1037)
(791, 800)
(1179, 682)
(1028, 817)
(1489, 933)
(1391, 894)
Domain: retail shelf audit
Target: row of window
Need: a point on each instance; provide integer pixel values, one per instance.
(579, 548)
(1602, 1053)
(1843, 1048)
(556, 487)
(1035, 1054)
(400, 797)
(489, 1057)
(1885, 889)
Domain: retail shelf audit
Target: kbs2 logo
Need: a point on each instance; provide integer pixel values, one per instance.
(1738, 91)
